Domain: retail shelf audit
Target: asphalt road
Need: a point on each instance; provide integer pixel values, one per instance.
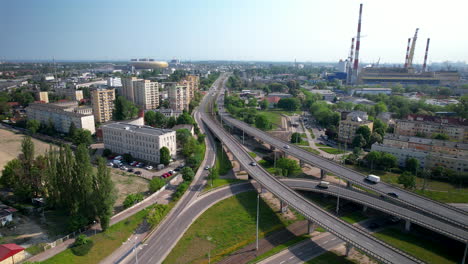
(356, 237)
(440, 210)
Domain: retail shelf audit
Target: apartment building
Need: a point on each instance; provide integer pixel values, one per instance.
(347, 128)
(62, 115)
(43, 97)
(177, 96)
(168, 112)
(192, 82)
(128, 89)
(142, 142)
(146, 94)
(102, 101)
(428, 126)
(429, 152)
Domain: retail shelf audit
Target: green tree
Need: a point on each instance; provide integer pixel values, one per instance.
(379, 127)
(185, 118)
(33, 125)
(187, 174)
(365, 132)
(156, 183)
(11, 172)
(412, 165)
(387, 161)
(104, 193)
(82, 136)
(264, 104)
(289, 167)
(82, 180)
(189, 147)
(262, 122)
(296, 137)
(124, 109)
(165, 156)
(441, 136)
(182, 136)
(132, 199)
(373, 158)
(107, 152)
(171, 121)
(359, 141)
(375, 137)
(72, 130)
(380, 107)
(213, 174)
(155, 119)
(127, 157)
(407, 179)
(289, 104)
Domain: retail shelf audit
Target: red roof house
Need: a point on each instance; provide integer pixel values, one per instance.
(13, 251)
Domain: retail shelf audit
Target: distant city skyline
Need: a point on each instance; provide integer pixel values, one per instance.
(261, 30)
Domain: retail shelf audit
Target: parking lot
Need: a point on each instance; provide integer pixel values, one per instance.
(144, 172)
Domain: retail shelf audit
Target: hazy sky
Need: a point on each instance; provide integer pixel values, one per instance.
(276, 30)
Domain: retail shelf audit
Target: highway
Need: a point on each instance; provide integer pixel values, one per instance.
(443, 211)
(348, 233)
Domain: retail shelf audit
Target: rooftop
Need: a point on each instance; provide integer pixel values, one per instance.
(139, 129)
(8, 250)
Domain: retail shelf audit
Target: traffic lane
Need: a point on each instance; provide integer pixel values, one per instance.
(356, 237)
(454, 232)
(443, 211)
(157, 247)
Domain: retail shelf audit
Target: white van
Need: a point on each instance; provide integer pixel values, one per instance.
(373, 178)
(323, 184)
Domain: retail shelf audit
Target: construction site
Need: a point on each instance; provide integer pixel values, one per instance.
(406, 75)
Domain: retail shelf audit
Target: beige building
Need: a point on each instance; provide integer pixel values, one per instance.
(102, 101)
(178, 96)
(146, 94)
(348, 127)
(43, 97)
(142, 142)
(11, 254)
(128, 89)
(429, 152)
(62, 115)
(428, 126)
(192, 82)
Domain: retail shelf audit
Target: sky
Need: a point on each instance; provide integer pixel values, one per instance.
(250, 30)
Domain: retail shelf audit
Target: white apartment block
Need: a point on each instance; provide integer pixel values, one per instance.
(62, 115)
(114, 82)
(142, 142)
(177, 96)
(146, 94)
(102, 101)
(168, 112)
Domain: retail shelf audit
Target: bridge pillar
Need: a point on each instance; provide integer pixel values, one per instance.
(283, 207)
(464, 254)
(301, 163)
(310, 227)
(407, 225)
(323, 174)
(349, 185)
(364, 208)
(348, 249)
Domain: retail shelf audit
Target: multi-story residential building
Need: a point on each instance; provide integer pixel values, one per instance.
(62, 115)
(429, 152)
(146, 94)
(428, 126)
(168, 112)
(177, 96)
(114, 82)
(142, 142)
(348, 127)
(102, 101)
(128, 89)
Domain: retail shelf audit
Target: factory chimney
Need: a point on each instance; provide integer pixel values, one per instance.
(358, 45)
(407, 53)
(349, 65)
(425, 55)
(413, 46)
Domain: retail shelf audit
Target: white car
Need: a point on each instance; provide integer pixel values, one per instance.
(207, 167)
(149, 167)
(286, 146)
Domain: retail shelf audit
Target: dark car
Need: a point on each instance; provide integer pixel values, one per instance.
(392, 194)
(130, 170)
(137, 172)
(177, 169)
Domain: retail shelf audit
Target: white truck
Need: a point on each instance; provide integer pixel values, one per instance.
(373, 178)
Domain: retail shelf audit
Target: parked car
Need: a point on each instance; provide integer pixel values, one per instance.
(110, 164)
(130, 170)
(253, 163)
(123, 168)
(115, 166)
(149, 167)
(140, 165)
(177, 169)
(138, 172)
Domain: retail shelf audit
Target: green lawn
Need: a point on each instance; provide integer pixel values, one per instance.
(311, 132)
(104, 243)
(354, 217)
(420, 247)
(302, 143)
(221, 182)
(440, 191)
(330, 258)
(321, 145)
(222, 163)
(332, 151)
(312, 150)
(279, 248)
(274, 115)
(231, 225)
(253, 154)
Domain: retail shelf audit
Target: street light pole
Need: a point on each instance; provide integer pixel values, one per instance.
(209, 250)
(258, 217)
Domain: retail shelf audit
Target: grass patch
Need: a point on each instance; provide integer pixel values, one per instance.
(312, 150)
(302, 143)
(457, 196)
(222, 163)
(35, 249)
(311, 133)
(303, 135)
(221, 182)
(231, 225)
(253, 154)
(332, 151)
(420, 246)
(330, 258)
(354, 217)
(279, 248)
(104, 243)
(321, 145)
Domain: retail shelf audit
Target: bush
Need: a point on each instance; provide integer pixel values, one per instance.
(106, 152)
(156, 184)
(156, 214)
(187, 174)
(132, 199)
(82, 245)
(180, 191)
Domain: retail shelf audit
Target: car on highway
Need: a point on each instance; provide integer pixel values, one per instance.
(207, 167)
(373, 178)
(286, 146)
(392, 194)
(253, 163)
(323, 184)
